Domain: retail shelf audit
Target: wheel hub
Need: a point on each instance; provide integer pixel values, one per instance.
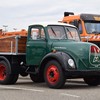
(52, 74)
(2, 72)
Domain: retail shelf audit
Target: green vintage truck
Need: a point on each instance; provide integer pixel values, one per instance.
(50, 52)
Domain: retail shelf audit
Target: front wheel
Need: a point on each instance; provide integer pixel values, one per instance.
(92, 81)
(54, 75)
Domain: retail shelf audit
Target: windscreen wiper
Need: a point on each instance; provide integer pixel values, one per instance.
(69, 32)
(53, 31)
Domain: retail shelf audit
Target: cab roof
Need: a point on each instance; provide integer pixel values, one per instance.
(53, 23)
(92, 17)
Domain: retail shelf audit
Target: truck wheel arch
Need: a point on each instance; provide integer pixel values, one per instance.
(61, 57)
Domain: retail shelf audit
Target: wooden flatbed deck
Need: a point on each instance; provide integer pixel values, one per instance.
(13, 44)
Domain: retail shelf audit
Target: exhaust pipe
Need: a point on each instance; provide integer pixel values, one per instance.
(68, 13)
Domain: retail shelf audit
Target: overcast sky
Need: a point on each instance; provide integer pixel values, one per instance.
(21, 13)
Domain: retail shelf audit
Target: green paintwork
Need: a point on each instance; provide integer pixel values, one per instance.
(79, 51)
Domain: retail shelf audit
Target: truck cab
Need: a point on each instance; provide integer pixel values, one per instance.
(57, 53)
(88, 25)
(51, 52)
(41, 40)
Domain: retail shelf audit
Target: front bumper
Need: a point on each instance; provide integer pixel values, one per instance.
(82, 73)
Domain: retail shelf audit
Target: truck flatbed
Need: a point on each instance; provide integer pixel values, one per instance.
(13, 45)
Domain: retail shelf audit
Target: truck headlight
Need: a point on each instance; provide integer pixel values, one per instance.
(71, 63)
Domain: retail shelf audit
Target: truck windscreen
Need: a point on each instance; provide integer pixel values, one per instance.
(63, 32)
(92, 27)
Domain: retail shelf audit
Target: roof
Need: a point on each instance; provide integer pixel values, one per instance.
(53, 23)
(92, 17)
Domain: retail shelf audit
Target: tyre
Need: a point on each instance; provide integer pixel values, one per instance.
(22, 72)
(36, 78)
(92, 81)
(6, 76)
(54, 75)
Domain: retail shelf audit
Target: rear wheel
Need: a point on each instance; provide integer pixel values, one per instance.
(6, 76)
(22, 72)
(36, 78)
(53, 74)
(92, 81)
(2, 71)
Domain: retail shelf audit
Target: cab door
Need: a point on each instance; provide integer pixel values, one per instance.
(36, 45)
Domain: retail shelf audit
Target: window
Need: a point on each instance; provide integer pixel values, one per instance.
(37, 33)
(56, 32)
(92, 27)
(72, 33)
(78, 25)
(63, 33)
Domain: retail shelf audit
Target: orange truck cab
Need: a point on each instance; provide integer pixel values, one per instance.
(88, 25)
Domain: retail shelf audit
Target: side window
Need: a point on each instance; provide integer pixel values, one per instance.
(79, 25)
(37, 33)
(72, 22)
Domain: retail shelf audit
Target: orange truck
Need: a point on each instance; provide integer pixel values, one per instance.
(88, 25)
(23, 32)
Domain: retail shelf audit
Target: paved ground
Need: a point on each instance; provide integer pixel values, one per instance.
(25, 89)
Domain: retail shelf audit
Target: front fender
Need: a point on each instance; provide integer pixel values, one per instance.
(61, 57)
